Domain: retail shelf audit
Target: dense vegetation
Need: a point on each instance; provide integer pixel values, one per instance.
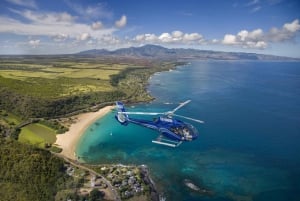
(28, 173)
(50, 86)
(30, 106)
(41, 89)
(44, 88)
(35, 92)
(31, 174)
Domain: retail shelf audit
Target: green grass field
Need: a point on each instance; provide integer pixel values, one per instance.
(11, 118)
(49, 77)
(37, 134)
(8, 119)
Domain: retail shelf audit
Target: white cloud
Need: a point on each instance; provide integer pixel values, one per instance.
(278, 35)
(255, 45)
(92, 11)
(46, 18)
(139, 38)
(34, 43)
(165, 37)
(214, 41)
(192, 37)
(293, 26)
(25, 3)
(253, 2)
(63, 17)
(90, 42)
(287, 32)
(151, 38)
(109, 40)
(260, 40)
(60, 37)
(243, 35)
(84, 36)
(64, 29)
(177, 34)
(261, 44)
(176, 37)
(254, 6)
(246, 39)
(229, 39)
(97, 25)
(122, 22)
(254, 35)
(54, 25)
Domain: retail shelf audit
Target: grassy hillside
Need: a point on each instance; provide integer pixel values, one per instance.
(55, 78)
(50, 86)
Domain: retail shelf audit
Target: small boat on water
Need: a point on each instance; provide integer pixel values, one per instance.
(192, 186)
(201, 190)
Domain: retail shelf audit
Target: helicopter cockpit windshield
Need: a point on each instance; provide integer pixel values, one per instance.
(193, 130)
(186, 131)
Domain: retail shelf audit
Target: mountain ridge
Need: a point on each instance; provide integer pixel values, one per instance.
(160, 52)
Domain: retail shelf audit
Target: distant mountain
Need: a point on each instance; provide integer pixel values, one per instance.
(95, 52)
(144, 51)
(159, 52)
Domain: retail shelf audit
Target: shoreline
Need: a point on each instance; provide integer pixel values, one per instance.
(68, 141)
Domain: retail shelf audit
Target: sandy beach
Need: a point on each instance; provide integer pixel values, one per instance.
(69, 140)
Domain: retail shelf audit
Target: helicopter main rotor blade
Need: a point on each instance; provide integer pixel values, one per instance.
(180, 106)
(196, 120)
(142, 113)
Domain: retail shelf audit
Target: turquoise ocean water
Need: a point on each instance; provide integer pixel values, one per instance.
(248, 149)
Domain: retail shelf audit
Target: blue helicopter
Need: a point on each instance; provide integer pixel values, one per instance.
(172, 131)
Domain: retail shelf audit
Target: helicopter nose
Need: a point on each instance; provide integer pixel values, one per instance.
(195, 135)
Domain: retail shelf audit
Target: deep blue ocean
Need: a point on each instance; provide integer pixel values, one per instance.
(248, 149)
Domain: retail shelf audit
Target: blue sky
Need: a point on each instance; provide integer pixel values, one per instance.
(68, 26)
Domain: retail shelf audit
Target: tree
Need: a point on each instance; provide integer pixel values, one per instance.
(96, 195)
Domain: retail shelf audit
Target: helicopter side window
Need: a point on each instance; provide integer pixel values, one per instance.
(174, 130)
(178, 131)
(186, 131)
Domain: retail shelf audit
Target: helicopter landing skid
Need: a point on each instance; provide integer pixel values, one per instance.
(166, 142)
